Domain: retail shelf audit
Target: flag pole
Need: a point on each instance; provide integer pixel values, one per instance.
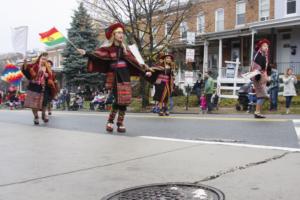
(71, 43)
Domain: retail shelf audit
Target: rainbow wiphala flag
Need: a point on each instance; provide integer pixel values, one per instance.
(12, 74)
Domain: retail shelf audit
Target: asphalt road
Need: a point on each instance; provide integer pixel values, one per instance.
(276, 131)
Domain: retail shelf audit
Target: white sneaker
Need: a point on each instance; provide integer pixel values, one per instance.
(287, 111)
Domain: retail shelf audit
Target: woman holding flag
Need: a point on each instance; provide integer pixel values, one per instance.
(118, 62)
(41, 85)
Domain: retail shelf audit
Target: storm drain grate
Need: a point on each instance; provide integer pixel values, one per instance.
(168, 191)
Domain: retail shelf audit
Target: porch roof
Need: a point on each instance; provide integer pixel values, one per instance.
(248, 28)
(275, 23)
(243, 31)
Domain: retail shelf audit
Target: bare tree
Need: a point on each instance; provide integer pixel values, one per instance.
(146, 20)
(153, 24)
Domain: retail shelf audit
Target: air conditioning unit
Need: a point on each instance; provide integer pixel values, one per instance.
(264, 18)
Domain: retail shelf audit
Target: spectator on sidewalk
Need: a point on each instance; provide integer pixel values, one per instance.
(1, 96)
(215, 100)
(13, 101)
(203, 104)
(63, 99)
(252, 98)
(289, 81)
(79, 101)
(197, 89)
(98, 102)
(22, 97)
(274, 88)
(208, 90)
(68, 99)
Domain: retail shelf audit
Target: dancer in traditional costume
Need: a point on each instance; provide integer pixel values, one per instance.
(41, 86)
(51, 93)
(119, 64)
(163, 78)
(261, 64)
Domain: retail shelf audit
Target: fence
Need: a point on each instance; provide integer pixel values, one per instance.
(230, 79)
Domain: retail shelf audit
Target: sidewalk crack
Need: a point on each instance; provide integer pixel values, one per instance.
(99, 166)
(238, 168)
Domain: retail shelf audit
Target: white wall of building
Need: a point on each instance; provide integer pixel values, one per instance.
(280, 9)
(284, 56)
(295, 41)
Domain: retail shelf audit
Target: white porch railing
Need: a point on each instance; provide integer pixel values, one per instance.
(230, 80)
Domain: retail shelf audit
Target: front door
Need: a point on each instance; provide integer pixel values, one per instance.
(235, 50)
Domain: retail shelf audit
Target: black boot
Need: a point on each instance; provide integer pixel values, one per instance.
(120, 122)
(45, 118)
(36, 120)
(110, 121)
(166, 112)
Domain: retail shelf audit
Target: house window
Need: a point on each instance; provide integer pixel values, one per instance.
(286, 36)
(168, 27)
(240, 12)
(291, 7)
(141, 33)
(264, 10)
(154, 34)
(183, 30)
(219, 20)
(200, 23)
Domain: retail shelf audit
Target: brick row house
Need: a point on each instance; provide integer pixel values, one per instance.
(228, 29)
(284, 32)
(223, 31)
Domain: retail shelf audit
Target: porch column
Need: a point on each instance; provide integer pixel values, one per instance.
(242, 51)
(220, 58)
(205, 57)
(272, 50)
(252, 47)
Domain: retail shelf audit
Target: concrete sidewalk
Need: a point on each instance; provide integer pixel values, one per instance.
(39, 163)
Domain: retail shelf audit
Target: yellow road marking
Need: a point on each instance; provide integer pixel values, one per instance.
(187, 117)
(154, 116)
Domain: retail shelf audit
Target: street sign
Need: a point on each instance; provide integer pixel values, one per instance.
(188, 78)
(230, 70)
(190, 55)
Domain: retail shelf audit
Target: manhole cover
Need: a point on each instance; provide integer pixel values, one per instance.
(168, 191)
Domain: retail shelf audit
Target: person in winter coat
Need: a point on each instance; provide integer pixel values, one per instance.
(289, 81)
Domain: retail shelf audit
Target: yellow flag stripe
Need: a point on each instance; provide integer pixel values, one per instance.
(52, 37)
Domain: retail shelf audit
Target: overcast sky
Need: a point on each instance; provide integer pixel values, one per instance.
(38, 15)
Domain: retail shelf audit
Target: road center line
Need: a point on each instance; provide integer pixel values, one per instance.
(152, 116)
(297, 128)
